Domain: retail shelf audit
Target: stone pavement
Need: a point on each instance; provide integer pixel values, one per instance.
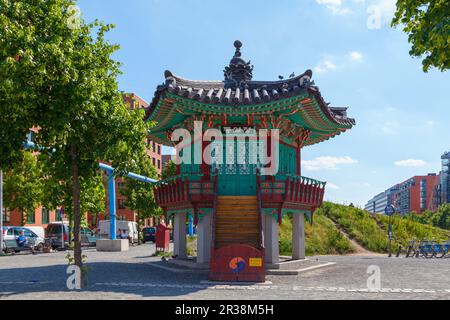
(131, 275)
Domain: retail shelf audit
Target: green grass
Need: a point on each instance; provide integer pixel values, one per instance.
(358, 224)
(371, 230)
(405, 229)
(322, 238)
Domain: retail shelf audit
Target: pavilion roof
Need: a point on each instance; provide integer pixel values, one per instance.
(239, 94)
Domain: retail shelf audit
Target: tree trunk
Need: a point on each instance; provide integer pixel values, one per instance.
(76, 209)
(139, 227)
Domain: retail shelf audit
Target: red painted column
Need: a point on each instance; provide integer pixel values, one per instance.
(206, 168)
(299, 161)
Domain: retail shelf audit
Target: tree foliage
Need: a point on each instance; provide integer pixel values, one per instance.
(65, 81)
(23, 184)
(170, 170)
(427, 23)
(440, 218)
(139, 194)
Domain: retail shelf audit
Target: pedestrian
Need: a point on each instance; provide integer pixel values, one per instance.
(23, 242)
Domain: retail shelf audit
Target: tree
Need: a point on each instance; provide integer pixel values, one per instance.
(170, 170)
(139, 195)
(67, 81)
(57, 193)
(23, 185)
(427, 23)
(442, 217)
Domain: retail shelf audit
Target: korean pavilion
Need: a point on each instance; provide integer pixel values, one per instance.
(238, 205)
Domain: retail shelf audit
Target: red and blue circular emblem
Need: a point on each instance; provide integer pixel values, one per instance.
(237, 265)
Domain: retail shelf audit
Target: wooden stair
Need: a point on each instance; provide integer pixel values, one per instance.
(237, 221)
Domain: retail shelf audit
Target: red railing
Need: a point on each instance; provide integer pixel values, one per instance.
(184, 188)
(295, 189)
(173, 190)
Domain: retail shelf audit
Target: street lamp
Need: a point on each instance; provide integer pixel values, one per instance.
(389, 211)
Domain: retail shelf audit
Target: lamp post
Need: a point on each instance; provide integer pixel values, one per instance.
(389, 211)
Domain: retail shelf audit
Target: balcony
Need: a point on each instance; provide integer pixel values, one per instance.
(278, 189)
(184, 188)
(285, 188)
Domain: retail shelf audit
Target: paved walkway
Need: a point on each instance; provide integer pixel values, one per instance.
(130, 275)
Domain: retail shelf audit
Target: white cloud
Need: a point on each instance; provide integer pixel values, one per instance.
(430, 123)
(387, 8)
(332, 186)
(327, 163)
(410, 163)
(335, 6)
(325, 66)
(356, 55)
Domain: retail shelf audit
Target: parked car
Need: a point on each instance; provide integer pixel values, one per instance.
(129, 226)
(149, 234)
(57, 235)
(10, 235)
(55, 229)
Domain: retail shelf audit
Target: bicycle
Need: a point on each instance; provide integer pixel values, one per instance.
(412, 249)
(426, 249)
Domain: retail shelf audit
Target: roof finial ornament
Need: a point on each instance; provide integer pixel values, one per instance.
(238, 71)
(238, 46)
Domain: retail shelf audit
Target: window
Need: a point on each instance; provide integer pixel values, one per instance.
(6, 216)
(154, 147)
(45, 216)
(159, 149)
(121, 204)
(58, 215)
(154, 162)
(159, 164)
(31, 217)
(121, 185)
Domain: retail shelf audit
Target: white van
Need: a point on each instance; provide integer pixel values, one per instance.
(40, 231)
(129, 226)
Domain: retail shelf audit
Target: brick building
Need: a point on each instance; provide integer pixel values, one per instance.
(416, 194)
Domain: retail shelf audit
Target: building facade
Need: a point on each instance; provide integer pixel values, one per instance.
(416, 194)
(379, 203)
(445, 179)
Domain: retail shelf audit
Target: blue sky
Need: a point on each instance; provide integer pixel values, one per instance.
(358, 61)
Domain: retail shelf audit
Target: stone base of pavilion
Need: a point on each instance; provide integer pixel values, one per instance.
(270, 235)
(285, 267)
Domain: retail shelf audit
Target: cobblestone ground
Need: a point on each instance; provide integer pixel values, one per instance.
(131, 275)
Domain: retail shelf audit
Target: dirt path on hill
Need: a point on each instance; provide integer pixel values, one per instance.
(359, 249)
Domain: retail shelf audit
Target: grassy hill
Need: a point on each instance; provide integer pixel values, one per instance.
(322, 238)
(370, 231)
